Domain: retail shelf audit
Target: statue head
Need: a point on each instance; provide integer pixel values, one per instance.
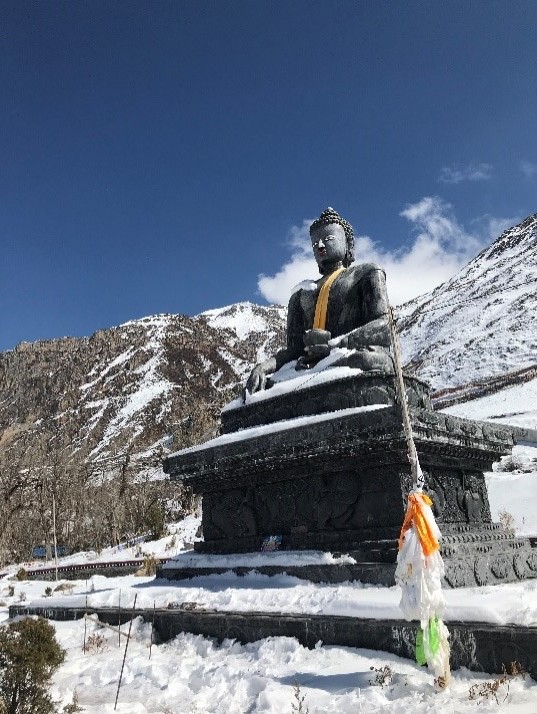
(342, 232)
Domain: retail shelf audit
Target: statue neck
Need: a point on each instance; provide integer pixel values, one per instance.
(328, 268)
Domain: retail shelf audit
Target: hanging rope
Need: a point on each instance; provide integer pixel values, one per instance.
(420, 567)
(417, 474)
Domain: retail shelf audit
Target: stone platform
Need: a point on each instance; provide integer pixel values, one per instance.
(478, 646)
(373, 573)
(338, 481)
(355, 390)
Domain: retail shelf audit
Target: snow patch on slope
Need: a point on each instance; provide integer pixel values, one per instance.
(516, 405)
(482, 322)
(243, 318)
(149, 387)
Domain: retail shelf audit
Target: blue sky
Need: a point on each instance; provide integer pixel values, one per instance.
(161, 156)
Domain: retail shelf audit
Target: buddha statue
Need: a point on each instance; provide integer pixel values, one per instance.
(346, 308)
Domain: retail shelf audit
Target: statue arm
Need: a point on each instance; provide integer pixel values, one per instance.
(295, 347)
(372, 291)
(375, 332)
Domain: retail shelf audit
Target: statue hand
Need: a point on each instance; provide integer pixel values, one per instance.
(317, 352)
(316, 337)
(256, 381)
(316, 344)
(339, 341)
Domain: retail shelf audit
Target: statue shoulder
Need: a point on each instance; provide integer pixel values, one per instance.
(362, 270)
(304, 286)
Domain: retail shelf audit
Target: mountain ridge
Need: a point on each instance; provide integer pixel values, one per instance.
(495, 330)
(473, 329)
(76, 412)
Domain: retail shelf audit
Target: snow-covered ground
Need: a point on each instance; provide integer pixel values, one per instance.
(516, 405)
(196, 674)
(512, 491)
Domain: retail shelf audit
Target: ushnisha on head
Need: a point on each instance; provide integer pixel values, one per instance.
(332, 240)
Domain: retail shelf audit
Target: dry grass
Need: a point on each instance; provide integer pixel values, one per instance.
(383, 676)
(492, 689)
(149, 566)
(64, 588)
(95, 644)
(297, 705)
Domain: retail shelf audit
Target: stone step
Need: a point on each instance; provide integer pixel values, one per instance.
(376, 573)
(478, 646)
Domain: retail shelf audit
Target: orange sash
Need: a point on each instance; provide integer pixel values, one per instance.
(321, 307)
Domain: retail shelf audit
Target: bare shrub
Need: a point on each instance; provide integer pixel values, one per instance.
(95, 644)
(171, 544)
(74, 707)
(149, 566)
(298, 704)
(383, 676)
(507, 520)
(490, 689)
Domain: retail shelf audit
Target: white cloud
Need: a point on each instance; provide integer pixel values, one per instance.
(472, 172)
(301, 266)
(441, 247)
(528, 168)
(490, 227)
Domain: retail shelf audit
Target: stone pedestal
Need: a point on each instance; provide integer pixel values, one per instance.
(338, 481)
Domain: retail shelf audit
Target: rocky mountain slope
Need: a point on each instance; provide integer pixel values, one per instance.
(128, 388)
(132, 385)
(480, 327)
(87, 421)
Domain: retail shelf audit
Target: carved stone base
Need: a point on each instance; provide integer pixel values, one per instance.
(341, 485)
(358, 390)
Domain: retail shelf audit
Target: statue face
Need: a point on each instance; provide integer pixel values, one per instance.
(329, 244)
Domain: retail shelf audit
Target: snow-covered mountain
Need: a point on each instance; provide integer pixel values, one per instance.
(249, 326)
(130, 387)
(87, 421)
(482, 323)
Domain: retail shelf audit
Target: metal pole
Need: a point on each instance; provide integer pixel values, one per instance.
(85, 624)
(54, 532)
(152, 630)
(417, 475)
(125, 653)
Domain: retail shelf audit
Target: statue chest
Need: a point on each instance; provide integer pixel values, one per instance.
(345, 308)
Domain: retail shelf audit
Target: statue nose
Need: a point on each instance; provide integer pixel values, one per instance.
(320, 244)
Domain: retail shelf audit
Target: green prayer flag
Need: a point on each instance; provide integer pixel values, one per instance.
(420, 652)
(434, 635)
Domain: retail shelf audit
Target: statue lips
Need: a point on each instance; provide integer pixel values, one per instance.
(320, 252)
